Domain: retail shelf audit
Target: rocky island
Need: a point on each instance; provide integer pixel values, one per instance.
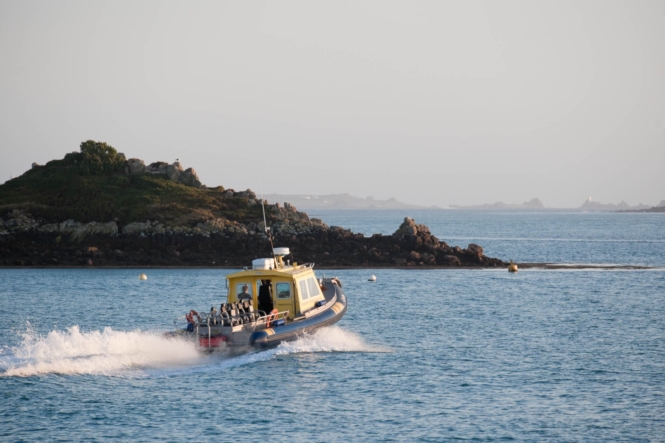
(97, 208)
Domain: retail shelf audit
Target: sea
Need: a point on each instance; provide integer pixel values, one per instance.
(571, 355)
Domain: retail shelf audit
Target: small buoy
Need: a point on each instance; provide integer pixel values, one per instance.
(372, 278)
(143, 277)
(512, 267)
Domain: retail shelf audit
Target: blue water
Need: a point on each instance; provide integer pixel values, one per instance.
(421, 355)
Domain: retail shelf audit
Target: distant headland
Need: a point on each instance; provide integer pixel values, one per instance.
(95, 207)
(341, 201)
(589, 205)
(533, 204)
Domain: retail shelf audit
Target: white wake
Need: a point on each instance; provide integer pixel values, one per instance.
(97, 352)
(330, 339)
(111, 352)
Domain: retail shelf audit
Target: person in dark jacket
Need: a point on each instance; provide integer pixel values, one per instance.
(265, 297)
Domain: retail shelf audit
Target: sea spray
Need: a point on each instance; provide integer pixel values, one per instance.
(95, 352)
(330, 339)
(111, 352)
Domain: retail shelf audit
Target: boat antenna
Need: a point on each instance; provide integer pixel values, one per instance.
(265, 224)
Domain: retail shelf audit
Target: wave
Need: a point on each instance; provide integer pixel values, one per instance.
(112, 353)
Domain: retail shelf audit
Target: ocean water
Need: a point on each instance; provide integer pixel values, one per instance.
(421, 355)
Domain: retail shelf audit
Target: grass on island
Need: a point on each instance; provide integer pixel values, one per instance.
(91, 185)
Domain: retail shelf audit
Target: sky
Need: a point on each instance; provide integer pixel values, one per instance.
(432, 103)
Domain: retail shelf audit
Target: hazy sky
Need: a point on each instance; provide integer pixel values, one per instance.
(438, 102)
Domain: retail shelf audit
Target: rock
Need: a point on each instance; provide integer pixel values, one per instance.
(414, 255)
(157, 168)
(475, 249)
(136, 228)
(79, 231)
(50, 227)
(423, 229)
(174, 171)
(21, 221)
(35, 165)
(135, 166)
(428, 258)
(247, 194)
(399, 261)
(88, 262)
(408, 227)
(188, 177)
(451, 260)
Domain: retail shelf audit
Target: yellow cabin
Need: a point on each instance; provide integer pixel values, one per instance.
(271, 284)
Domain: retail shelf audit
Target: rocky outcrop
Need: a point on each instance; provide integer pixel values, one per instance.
(410, 228)
(135, 166)
(173, 171)
(26, 241)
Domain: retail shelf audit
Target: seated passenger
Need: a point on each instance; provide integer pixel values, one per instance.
(245, 295)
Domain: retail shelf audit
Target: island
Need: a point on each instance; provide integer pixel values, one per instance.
(95, 207)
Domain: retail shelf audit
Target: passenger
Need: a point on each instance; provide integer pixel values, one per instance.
(265, 296)
(245, 295)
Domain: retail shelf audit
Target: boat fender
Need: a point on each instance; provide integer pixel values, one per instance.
(272, 316)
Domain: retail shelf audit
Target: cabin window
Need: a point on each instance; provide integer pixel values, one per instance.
(283, 290)
(303, 290)
(240, 287)
(313, 287)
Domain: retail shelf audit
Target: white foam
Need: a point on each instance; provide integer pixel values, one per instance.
(111, 352)
(96, 352)
(330, 339)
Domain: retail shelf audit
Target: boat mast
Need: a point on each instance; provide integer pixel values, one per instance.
(265, 224)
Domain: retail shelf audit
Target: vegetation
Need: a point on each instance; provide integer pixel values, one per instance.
(91, 185)
(99, 158)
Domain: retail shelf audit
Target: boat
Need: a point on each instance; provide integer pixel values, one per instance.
(268, 304)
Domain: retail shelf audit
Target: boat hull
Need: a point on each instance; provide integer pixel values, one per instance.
(291, 331)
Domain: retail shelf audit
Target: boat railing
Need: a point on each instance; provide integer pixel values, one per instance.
(224, 319)
(282, 315)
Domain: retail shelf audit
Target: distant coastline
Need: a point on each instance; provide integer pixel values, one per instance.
(349, 202)
(340, 201)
